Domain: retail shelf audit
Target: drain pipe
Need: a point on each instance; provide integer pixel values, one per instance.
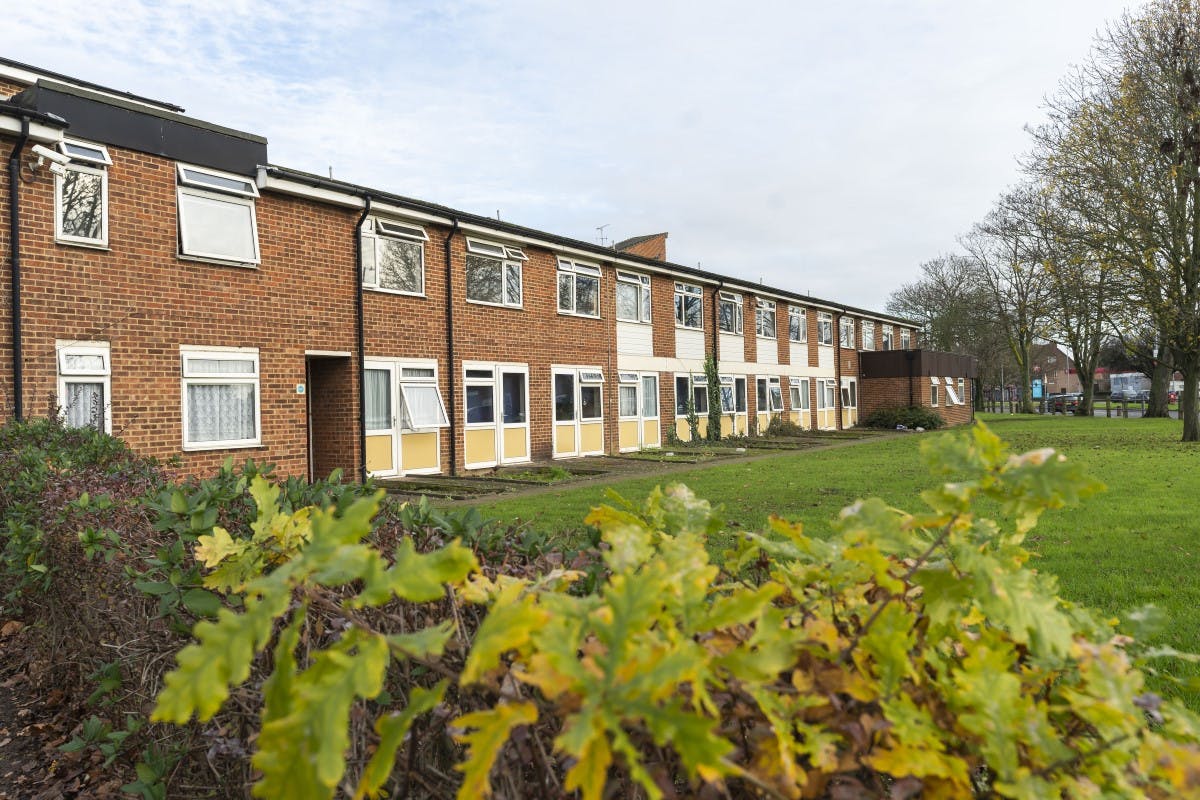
(837, 370)
(14, 243)
(361, 340)
(452, 376)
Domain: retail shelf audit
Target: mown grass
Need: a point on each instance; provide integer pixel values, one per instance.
(1136, 543)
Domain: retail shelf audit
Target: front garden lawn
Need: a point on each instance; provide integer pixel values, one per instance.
(1136, 543)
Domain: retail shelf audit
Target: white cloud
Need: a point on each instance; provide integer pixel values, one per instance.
(828, 148)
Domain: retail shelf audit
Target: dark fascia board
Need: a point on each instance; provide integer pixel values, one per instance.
(58, 76)
(9, 109)
(106, 120)
(318, 181)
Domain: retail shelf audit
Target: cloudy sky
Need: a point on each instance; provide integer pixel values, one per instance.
(827, 147)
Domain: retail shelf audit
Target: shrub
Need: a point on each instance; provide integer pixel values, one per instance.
(912, 654)
(779, 426)
(908, 416)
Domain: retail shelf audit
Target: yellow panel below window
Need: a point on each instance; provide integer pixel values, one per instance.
(564, 440)
(650, 433)
(480, 446)
(800, 418)
(763, 421)
(591, 437)
(627, 434)
(379, 454)
(515, 446)
(826, 419)
(419, 451)
(849, 417)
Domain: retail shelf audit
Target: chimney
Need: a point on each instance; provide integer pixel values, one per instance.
(653, 245)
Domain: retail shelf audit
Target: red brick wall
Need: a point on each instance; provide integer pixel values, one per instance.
(8, 88)
(146, 302)
(877, 393)
(333, 409)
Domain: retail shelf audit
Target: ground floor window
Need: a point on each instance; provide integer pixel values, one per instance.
(826, 394)
(849, 393)
(220, 397)
(770, 394)
(84, 372)
(798, 389)
(694, 387)
(933, 391)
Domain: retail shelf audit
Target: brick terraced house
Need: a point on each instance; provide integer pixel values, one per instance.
(166, 282)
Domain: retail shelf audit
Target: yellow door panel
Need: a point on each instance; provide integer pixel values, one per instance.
(564, 440)
(379, 454)
(480, 446)
(419, 451)
(627, 434)
(650, 433)
(514, 444)
(591, 437)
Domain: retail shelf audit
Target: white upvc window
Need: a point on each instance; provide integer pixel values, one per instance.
(826, 394)
(849, 393)
(798, 389)
(633, 297)
(84, 385)
(962, 394)
(578, 288)
(797, 324)
(590, 398)
(764, 318)
(81, 195)
(846, 332)
(825, 328)
(689, 306)
(770, 395)
(421, 405)
(729, 312)
(933, 390)
(868, 335)
(216, 215)
(694, 387)
(393, 256)
(627, 394)
(887, 338)
(220, 397)
(494, 273)
(905, 339)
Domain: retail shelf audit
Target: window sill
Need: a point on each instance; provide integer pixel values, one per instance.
(218, 261)
(207, 446)
(381, 290)
(562, 313)
(103, 246)
(635, 321)
(688, 327)
(496, 305)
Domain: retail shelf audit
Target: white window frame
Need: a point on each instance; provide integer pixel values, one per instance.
(905, 339)
(629, 380)
(798, 387)
(933, 390)
(188, 352)
(642, 283)
(695, 381)
(962, 392)
(802, 313)
(849, 393)
(577, 270)
(888, 338)
(88, 159)
(774, 388)
(190, 183)
(683, 291)
(505, 256)
(827, 388)
(868, 335)
(412, 381)
(376, 229)
(761, 309)
(845, 324)
(71, 375)
(735, 300)
(825, 328)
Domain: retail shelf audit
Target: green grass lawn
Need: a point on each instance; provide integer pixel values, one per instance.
(1136, 543)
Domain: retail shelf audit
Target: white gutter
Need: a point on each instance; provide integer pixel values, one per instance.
(38, 131)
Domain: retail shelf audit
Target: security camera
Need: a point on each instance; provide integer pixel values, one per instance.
(58, 169)
(46, 154)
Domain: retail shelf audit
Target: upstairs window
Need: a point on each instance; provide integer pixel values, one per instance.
(578, 288)
(84, 370)
(797, 324)
(886, 338)
(729, 312)
(868, 335)
(633, 297)
(494, 273)
(81, 195)
(905, 339)
(846, 332)
(216, 215)
(824, 328)
(220, 398)
(393, 256)
(764, 318)
(689, 306)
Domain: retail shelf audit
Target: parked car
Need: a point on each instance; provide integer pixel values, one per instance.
(1172, 397)
(1065, 403)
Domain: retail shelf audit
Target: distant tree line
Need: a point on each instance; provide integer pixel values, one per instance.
(1098, 247)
